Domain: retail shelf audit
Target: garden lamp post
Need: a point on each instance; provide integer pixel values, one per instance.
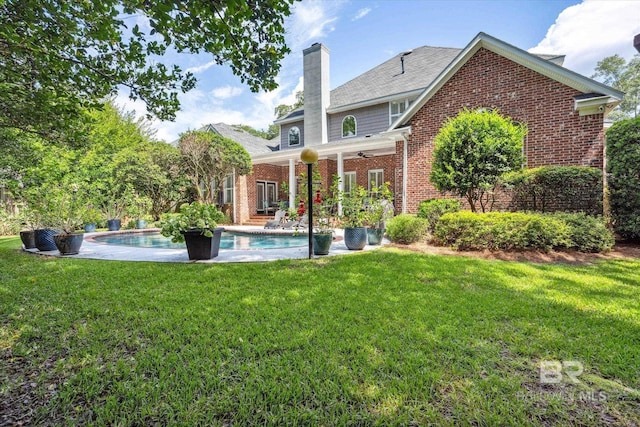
(309, 156)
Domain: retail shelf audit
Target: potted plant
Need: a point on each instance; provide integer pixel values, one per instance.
(44, 218)
(353, 216)
(139, 209)
(196, 224)
(69, 221)
(324, 209)
(114, 205)
(28, 221)
(91, 216)
(379, 209)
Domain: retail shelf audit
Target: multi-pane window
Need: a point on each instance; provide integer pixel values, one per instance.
(376, 179)
(228, 189)
(349, 127)
(397, 108)
(349, 182)
(294, 136)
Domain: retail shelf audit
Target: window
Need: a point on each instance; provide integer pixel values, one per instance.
(376, 179)
(294, 136)
(397, 108)
(349, 182)
(228, 189)
(349, 127)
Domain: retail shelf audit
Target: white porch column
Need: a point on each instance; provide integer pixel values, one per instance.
(340, 182)
(292, 183)
(404, 173)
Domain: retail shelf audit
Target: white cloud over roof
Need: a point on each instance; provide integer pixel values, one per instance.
(591, 31)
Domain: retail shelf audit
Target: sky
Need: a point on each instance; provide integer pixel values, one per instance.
(362, 34)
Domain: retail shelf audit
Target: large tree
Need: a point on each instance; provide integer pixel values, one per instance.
(625, 76)
(209, 157)
(472, 151)
(59, 56)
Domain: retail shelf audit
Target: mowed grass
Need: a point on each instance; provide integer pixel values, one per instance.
(387, 337)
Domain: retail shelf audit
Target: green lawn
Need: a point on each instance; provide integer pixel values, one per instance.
(384, 337)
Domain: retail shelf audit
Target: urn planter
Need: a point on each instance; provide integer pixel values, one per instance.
(90, 228)
(200, 246)
(113, 224)
(322, 243)
(44, 239)
(68, 244)
(355, 238)
(28, 239)
(374, 236)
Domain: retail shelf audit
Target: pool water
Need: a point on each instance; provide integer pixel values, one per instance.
(229, 240)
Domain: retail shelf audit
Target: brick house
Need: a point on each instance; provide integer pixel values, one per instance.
(379, 127)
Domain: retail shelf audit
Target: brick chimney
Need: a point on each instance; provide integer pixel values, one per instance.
(636, 42)
(316, 94)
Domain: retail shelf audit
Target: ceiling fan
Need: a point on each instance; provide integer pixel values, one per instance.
(364, 155)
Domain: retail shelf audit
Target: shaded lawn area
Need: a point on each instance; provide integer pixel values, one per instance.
(384, 337)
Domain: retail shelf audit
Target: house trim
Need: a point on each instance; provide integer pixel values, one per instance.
(519, 56)
(375, 101)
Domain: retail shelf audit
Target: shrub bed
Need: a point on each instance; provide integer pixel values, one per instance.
(433, 209)
(518, 231)
(406, 229)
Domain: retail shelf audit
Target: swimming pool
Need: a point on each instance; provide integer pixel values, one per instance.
(230, 240)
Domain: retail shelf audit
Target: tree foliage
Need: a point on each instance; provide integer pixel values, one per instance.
(472, 151)
(284, 109)
(625, 76)
(623, 167)
(209, 157)
(59, 57)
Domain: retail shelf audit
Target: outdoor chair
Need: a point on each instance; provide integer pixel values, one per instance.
(291, 224)
(277, 220)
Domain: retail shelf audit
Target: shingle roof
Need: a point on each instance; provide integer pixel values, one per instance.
(421, 67)
(253, 144)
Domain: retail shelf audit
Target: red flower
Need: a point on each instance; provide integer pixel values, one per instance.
(318, 198)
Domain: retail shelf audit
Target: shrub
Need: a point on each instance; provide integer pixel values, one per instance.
(501, 230)
(433, 209)
(515, 231)
(406, 229)
(556, 188)
(587, 233)
(623, 166)
(9, 223)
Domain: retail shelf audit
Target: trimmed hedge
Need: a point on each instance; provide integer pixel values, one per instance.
(433, 209)
(556, 188)
(406, 229)
(517, 231)
(623, 166)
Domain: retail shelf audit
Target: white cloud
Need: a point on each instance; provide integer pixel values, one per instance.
(201, 68)
(226, 92)
(591, 31)
(361, 13)
(311, 20)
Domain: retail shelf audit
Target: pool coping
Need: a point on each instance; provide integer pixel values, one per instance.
(92, 250)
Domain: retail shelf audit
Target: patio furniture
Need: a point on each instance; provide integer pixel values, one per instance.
(302, 223)
(277, 220)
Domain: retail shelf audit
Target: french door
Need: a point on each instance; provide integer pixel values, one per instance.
(267, 196)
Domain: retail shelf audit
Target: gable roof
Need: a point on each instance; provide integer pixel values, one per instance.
(253, 144)
(609, 96)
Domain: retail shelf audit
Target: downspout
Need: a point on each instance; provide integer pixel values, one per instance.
(233, 174)
(405, 163)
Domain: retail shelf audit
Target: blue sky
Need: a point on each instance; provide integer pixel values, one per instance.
(362, 34)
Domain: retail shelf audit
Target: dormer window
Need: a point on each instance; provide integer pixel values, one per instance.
(397, 108)
(294, 136)
(349, 127)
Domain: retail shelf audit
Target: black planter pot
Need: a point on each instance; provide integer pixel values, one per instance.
(68, 244)
(90, 228)
(322, 243)
(113, 224)
(355, 238)
(200, 246)
(28, 239)
(374, 236)
(44, 239)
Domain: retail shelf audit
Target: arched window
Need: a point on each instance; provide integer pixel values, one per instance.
(349, 127)
(294, 136)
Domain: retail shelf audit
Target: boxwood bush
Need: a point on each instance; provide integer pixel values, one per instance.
(519, 230)
(433, 209)
(405, 229)
(623, 167)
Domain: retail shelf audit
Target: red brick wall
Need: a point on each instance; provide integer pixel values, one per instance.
(557, 134)
(264, 172)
